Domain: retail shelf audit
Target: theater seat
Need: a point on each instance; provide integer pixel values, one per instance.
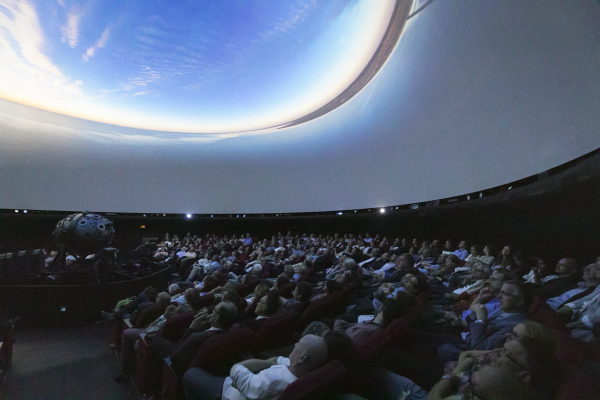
(277, 331)
(579, 382)
(541, 312)
(174, 328)
(328, 306)
(218, 354)
(323, 383)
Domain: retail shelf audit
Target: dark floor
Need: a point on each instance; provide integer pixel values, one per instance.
(66, 364)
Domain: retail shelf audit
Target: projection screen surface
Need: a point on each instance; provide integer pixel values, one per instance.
(156, 107)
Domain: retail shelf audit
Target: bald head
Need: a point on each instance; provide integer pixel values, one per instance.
(309, 353)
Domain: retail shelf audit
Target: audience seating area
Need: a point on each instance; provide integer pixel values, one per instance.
(412, 309)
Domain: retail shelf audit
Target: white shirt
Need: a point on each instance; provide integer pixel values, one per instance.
(529, 277)
(241, 384)
(465, 288)
(555, 302)
(385, 267)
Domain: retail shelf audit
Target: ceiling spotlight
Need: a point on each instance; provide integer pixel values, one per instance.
(144, 215)
(382, 210)
(189, 216)
(340, 213)
(354, 211)
(396, 208)
(244, 215)
(25, 211)
(468, 197)
(16, 211)
(480, 194)
(237, 215)
(211, 216)
(510, 187)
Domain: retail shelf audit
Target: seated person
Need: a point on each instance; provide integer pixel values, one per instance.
(130, 336)
(525, 368)
(357, 332)
(591, 280)
(301, 299)
(567, 270)
(540, 273)
(202, 327)
(267, 306)
(144, 299)
(404, 263)
(489, 331)
(586, 314)
(486, 294)
(258, 379)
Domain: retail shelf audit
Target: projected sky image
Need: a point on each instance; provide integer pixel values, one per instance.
(253, 106)
(206, 66)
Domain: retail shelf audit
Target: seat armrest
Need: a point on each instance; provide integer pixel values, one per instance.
(128, 323)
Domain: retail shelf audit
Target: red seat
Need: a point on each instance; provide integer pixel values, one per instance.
(218, 354)
(324, 383)
(277, 331)
(328, 306)
(174, 328)
(541, 312)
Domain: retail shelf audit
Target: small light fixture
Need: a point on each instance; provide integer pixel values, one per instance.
(510, 187)
(16, 211)
(211, 216)
(144, 215)
(244, 215)
(25, 211)
(340, 213)
(189, 216)
(468, 197)
(480, 194)
(382, 210)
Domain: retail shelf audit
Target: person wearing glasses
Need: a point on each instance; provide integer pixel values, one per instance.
(489, 331)
(567, 270)
(525, 368)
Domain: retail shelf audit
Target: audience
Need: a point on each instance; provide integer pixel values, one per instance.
(473, 311)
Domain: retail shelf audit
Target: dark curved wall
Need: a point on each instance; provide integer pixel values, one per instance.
(41, 306)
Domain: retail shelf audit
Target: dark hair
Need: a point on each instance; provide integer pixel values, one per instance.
(304, 290)
(333, 285)
(409, 259)
(231, 295)
(227, 316)
(282, 280)
(524, 292)
(543, 366)
(272, 303)
(192, 297)
(340, 347)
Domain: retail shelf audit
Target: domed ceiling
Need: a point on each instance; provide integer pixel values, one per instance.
(187, 66)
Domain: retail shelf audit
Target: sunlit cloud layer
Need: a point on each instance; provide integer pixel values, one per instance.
(215, 67)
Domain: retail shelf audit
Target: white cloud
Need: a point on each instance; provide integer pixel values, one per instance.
(27, 74)
(70, 31)
(141, 93)
(90, 52)
(61, 2)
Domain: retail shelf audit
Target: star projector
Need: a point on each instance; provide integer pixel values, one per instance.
(83, 233)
